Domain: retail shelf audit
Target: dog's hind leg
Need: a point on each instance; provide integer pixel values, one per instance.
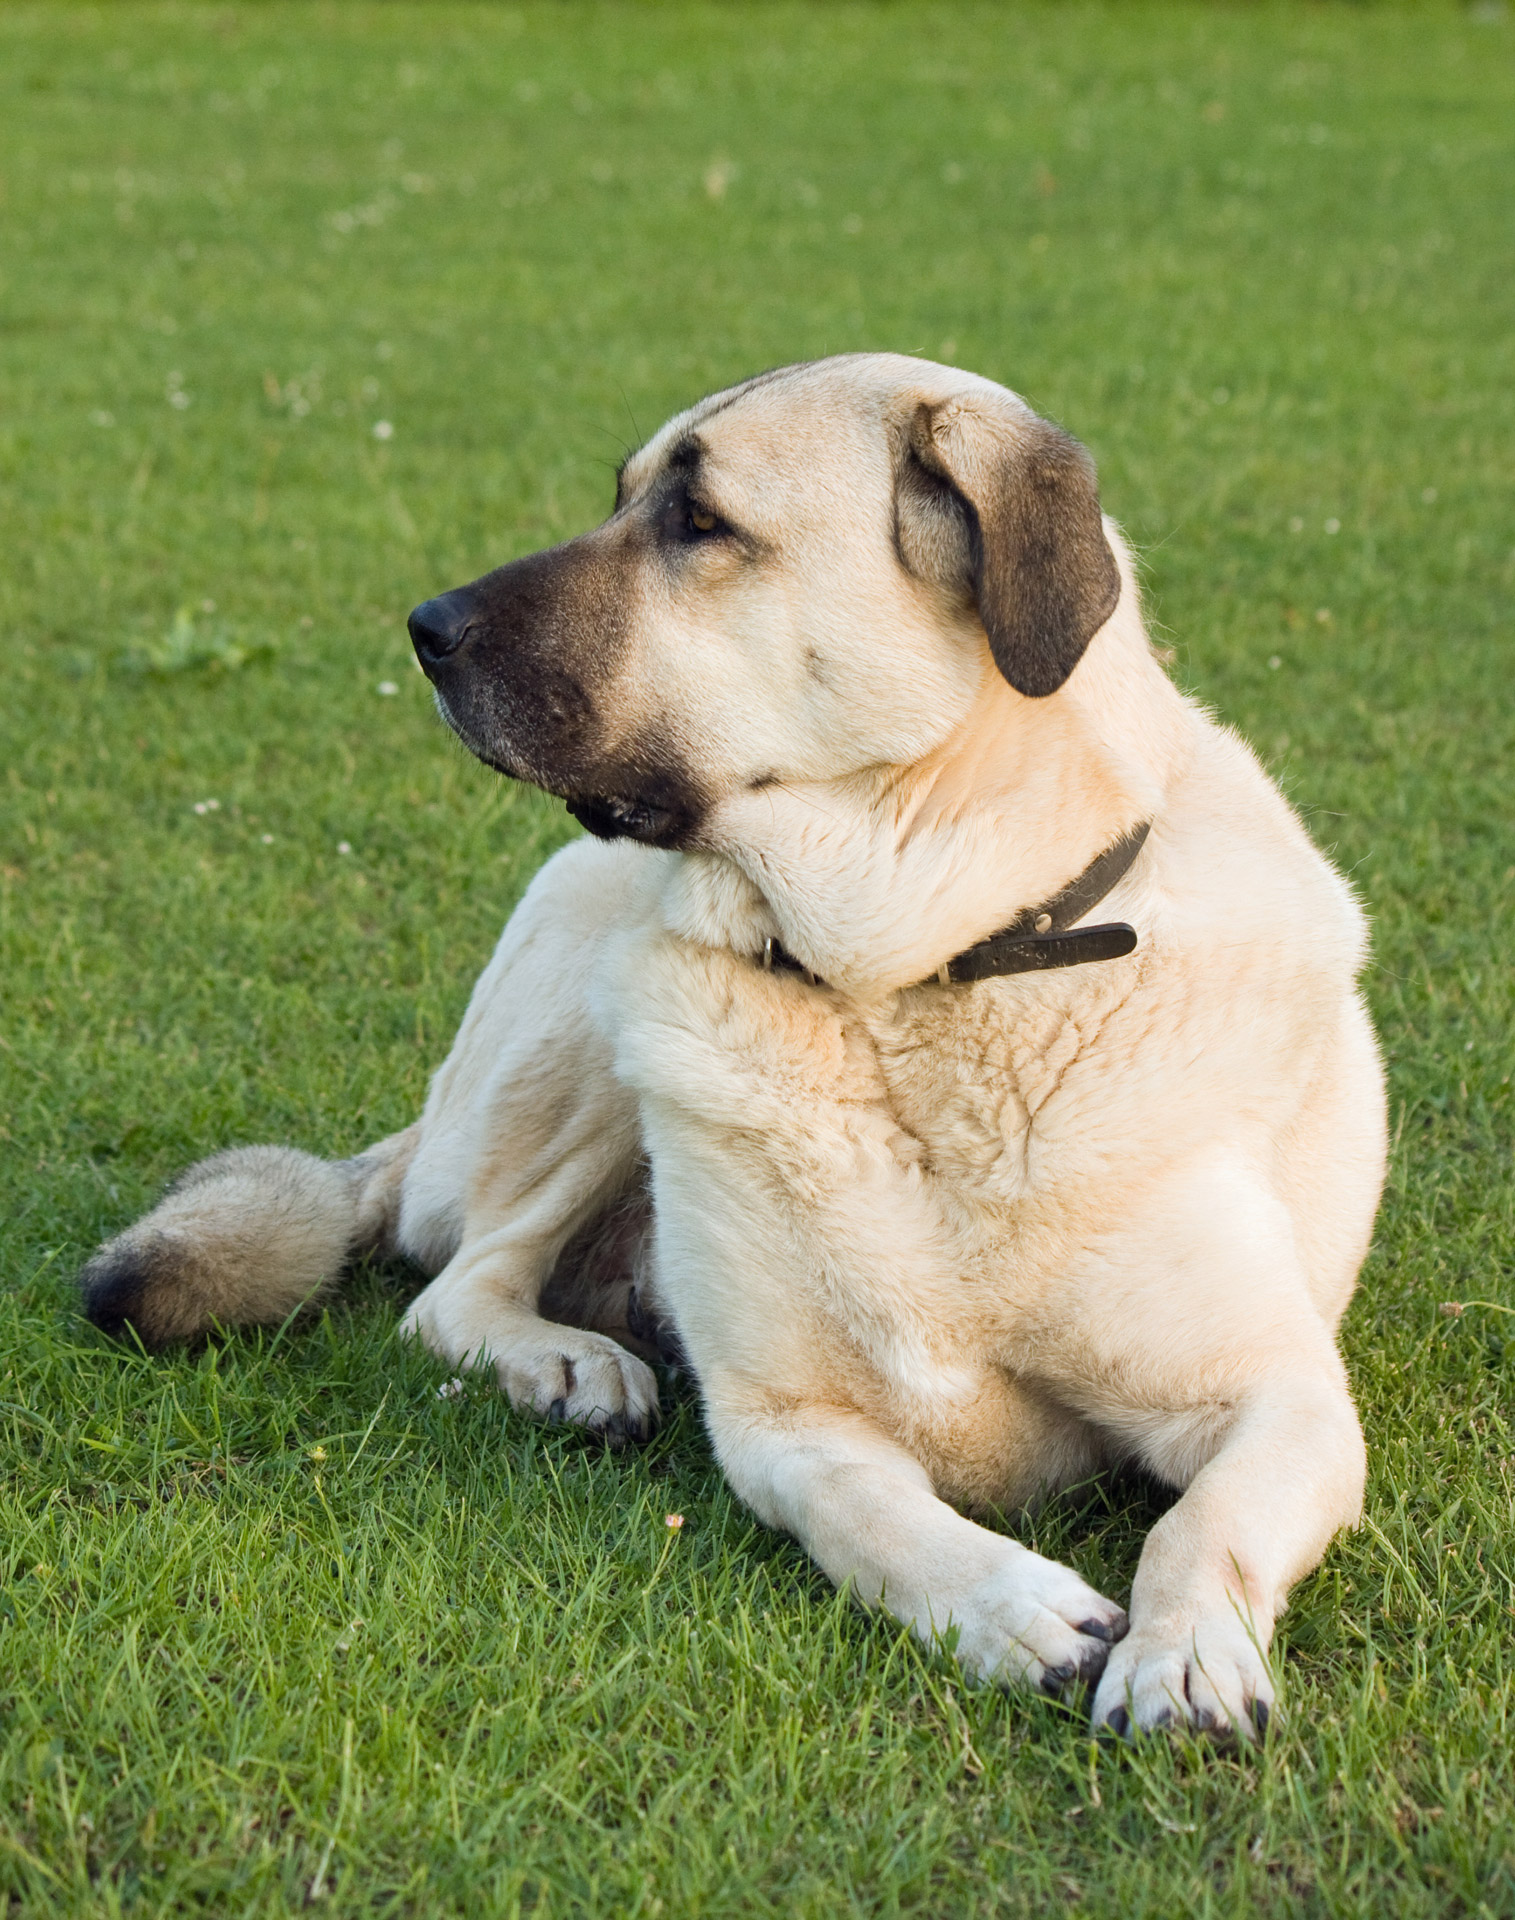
(528, 1183)
(557, 1161)
(481, 1311)
(245, 1238)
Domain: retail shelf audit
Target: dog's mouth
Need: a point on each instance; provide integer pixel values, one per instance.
(657, 810)
(630, 818)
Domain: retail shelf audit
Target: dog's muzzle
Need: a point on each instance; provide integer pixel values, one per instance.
(524, 715)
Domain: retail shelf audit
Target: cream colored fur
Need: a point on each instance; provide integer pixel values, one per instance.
(938, 1249)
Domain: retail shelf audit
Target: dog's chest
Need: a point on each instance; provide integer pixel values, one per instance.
(991, 1079)
(872, 1164)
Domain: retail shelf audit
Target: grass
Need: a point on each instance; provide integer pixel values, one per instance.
(279, 1624)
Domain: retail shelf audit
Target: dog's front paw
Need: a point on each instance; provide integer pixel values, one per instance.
(560, 1374)
(1211, 1676)
(1036, 1623)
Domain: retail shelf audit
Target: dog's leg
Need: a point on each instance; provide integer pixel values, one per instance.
(481, 1311)
(1202, 1354)
(1216, 1569)
(528, 1138)
(865, 1511)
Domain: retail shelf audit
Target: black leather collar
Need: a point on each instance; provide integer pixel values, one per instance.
(1040, 938)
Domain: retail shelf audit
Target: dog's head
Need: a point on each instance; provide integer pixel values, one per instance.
(804, 576)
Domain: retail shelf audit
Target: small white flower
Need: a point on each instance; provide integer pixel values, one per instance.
(1333, 526)
(200, 806)
(1428, 494)
(267, 839)
(1221, 395)
(344, 846)
(207, 606)
(387, 688)
(179, 398)
(101, 418)
(450, 1389)
(383, 430)
(1274, 661)
(1296, 525)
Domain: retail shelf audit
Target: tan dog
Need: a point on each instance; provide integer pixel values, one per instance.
(859, 663)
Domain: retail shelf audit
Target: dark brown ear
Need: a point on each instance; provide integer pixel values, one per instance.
(1006, 506)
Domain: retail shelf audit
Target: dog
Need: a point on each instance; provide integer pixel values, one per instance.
(946, 1039)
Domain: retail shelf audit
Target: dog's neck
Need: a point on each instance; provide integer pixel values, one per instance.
(874, 881)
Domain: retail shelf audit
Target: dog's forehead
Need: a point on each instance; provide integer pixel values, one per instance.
(791, 414)
(808, 420)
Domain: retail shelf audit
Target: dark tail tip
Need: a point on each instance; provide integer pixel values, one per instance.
(116, 1284)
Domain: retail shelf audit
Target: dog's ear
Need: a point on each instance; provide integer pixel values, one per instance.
(1005, 507)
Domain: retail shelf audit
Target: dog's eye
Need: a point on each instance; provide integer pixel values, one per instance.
(687, 522)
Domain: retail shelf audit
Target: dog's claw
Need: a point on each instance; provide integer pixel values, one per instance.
(557, 1413)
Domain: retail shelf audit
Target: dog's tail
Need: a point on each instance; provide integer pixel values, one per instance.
(244, 1238)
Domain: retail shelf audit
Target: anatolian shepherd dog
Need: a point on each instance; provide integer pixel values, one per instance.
(948, 1038)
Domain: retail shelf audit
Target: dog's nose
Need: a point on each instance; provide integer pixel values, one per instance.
(439, 627)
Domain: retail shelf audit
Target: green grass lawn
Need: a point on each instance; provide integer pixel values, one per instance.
(279, 1624)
